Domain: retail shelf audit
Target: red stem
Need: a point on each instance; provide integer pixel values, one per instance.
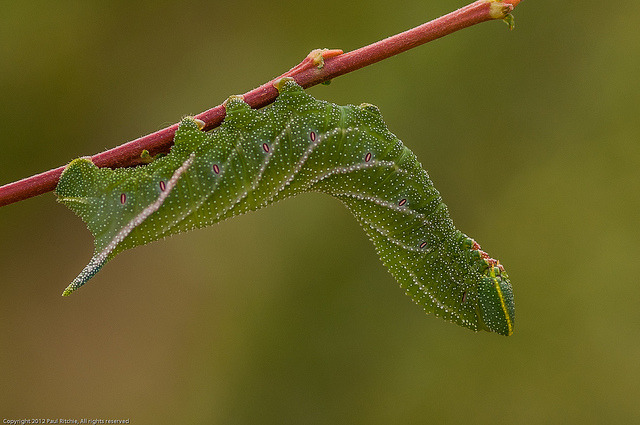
(306, 74)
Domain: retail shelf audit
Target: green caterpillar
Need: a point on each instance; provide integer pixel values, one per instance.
(299, 144)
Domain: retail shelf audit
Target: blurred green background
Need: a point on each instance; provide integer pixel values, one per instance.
(287, 316)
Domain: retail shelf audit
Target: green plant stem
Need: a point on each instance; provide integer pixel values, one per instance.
(318, 67)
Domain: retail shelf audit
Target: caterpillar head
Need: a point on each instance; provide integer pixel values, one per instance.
(495, 306)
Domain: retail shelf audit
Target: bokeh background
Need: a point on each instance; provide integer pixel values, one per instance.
(286, 315)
